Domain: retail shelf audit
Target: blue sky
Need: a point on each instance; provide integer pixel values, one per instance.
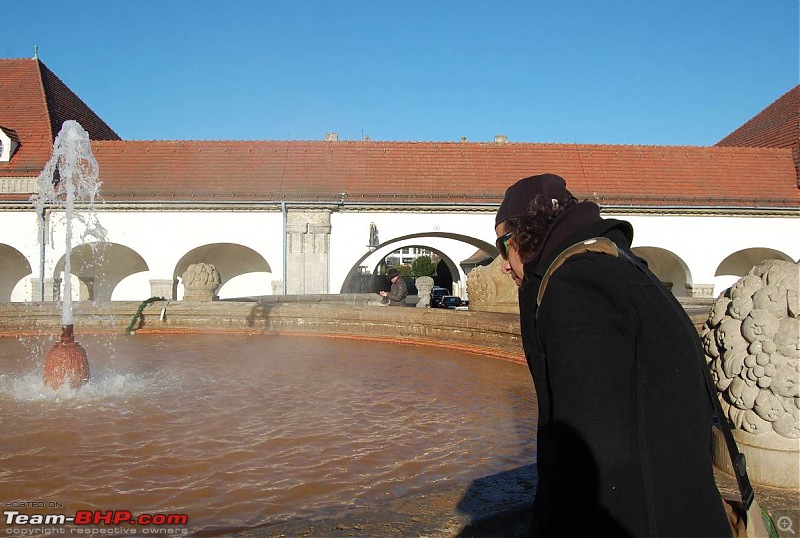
(679, 72)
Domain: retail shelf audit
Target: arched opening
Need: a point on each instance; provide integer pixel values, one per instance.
(449, 248)
(98, 269)
(243, 271)
(15, 268)
(668, 267)
(739, 264)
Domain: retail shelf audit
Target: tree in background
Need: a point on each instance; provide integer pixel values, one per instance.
(423, 266)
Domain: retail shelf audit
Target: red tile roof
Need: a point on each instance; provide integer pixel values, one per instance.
(34, 103)
(777, 126)
(441, 172)
(374, 171)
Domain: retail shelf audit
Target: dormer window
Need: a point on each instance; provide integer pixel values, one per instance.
(9, 142)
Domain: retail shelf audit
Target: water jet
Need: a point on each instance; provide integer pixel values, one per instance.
(70, 175)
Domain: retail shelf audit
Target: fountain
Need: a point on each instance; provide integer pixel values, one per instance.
(70, 176)
(284, 429)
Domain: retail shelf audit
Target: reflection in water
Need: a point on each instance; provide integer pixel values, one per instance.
(243, 430)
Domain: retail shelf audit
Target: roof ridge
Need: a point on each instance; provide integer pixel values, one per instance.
(40, 87)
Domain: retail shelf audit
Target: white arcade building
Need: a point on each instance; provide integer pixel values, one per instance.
(319, 217)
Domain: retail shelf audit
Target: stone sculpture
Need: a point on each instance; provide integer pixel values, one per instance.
(491, 290)
(200, 281)
(424, 286)
(752, 342)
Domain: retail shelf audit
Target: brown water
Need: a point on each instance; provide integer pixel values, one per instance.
(238, 431)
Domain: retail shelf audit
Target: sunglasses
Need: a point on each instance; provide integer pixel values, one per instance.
(502, 244)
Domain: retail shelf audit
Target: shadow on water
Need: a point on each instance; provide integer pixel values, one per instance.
(501, 505)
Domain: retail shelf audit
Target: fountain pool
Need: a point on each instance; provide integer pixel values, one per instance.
(239, 431)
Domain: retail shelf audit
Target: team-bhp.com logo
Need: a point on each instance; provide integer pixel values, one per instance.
(95, 517)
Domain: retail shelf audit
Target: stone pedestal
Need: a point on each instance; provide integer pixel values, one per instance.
(277, 287)
(161, 287)
(424, 286)
(771, 459)
(699, 290)
(50, 291)
(200, 282)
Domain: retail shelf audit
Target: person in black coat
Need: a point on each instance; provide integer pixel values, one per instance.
(624, 431)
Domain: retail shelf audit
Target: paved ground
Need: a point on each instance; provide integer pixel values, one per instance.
(493, 506)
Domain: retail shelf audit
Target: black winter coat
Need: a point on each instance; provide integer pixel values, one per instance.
(624, 433)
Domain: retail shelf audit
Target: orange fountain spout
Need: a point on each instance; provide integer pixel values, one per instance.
(66, 362)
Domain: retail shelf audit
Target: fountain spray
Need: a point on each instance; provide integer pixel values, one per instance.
(70, 175)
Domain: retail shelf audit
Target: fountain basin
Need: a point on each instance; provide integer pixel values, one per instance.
(244, 430)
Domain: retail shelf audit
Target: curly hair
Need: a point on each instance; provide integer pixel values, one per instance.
(531, 229)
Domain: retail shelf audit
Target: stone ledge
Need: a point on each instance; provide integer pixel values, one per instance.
(493, 334)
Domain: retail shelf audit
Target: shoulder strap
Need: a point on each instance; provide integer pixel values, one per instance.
(604, 245)
(596, 244)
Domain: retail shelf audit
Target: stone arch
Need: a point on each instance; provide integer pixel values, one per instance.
(370, 260)
(740, 262)
(15, 268)
(244, 272)
(736, 265)
(100, 267)
(668, 267)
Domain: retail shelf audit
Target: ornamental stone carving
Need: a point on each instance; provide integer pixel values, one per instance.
(424, 286)
(491, 290)
(200, 282)
(752, 342)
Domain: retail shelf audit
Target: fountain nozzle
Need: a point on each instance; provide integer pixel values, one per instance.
(66, 361)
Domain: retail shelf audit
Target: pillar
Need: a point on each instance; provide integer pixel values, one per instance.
(308, 234)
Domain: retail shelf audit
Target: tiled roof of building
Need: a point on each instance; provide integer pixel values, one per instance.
(10, 133)
(34, 103)
(441, 172)
(777, 126)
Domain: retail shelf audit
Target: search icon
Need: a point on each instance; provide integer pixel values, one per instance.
(784, 524)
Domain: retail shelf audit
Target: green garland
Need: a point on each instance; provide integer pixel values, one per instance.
(138, 313)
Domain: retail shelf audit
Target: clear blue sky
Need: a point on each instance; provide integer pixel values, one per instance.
(586, 71)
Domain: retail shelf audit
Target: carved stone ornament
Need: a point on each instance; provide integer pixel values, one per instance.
(491, 290)
(752, 340)
(200, 281)
(424, 286)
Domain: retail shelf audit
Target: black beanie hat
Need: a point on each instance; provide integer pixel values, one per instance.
(391, 273)
(520, 195)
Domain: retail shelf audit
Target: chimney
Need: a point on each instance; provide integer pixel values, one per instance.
(331, 137)
(500, 139)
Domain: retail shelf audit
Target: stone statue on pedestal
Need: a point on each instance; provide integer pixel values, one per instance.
(752, 342)
(200, 282)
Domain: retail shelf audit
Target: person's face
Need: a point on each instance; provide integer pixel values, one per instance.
(512, 265)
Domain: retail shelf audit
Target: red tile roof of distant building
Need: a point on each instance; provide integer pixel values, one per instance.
(34, 103)
(777, 126)
(375, 171)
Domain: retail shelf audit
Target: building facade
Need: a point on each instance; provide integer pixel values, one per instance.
(317, 217)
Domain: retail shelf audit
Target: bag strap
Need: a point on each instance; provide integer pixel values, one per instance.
(604, 245)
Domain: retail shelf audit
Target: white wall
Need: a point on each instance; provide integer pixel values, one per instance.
(163, 238)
